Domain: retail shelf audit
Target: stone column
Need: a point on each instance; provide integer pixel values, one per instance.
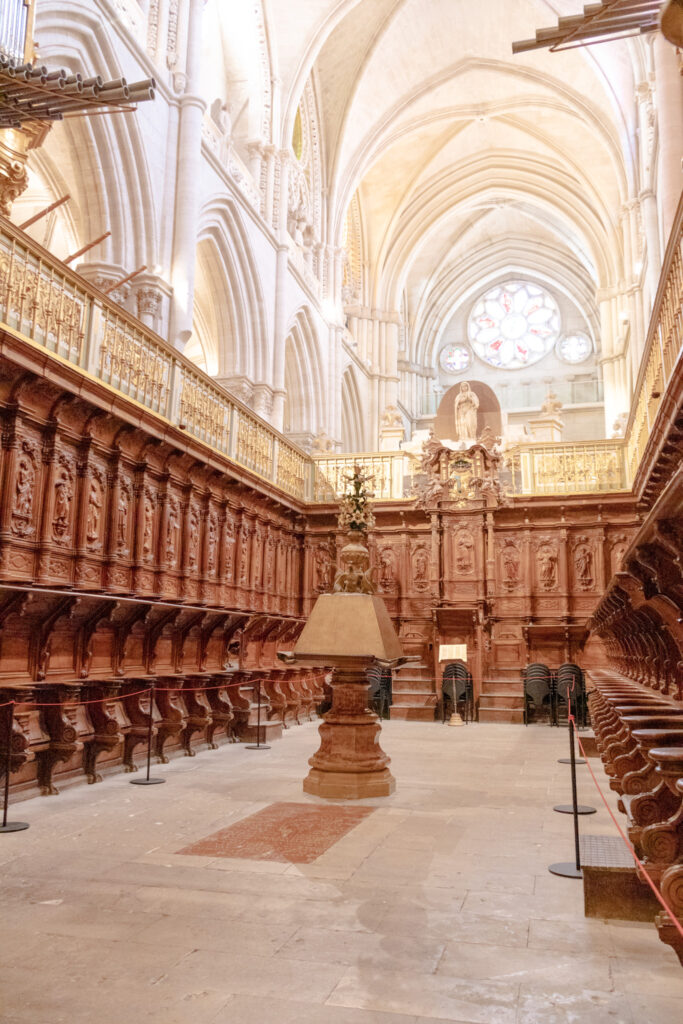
(669, 88)
(186, 214)
(280, 336)
(648, 209)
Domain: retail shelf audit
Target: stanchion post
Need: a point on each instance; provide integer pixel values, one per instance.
(147, 781)
(258, 745)
(565, 869)
(9, 826)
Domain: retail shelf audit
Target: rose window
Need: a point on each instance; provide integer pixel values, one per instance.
(514, 325)
(575, 348)
(455, 358)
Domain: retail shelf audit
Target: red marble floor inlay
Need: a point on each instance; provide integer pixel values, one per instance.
(297, 833)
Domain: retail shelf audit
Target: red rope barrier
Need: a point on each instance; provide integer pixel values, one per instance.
(677, 924)
(76, 703)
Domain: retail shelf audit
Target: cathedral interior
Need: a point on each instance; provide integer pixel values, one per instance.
(254, 254)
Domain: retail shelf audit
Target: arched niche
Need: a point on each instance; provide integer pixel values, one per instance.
(488, 414)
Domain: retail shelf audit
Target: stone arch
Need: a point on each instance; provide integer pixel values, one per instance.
(304, 380)
(353, 418)
(230, 319)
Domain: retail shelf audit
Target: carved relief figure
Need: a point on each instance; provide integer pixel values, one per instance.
(618, 551)
(270, 562)
(387, 569)
(229, 545)
(421, 569)
(322, 563)
(148, 526)
(194, 538)
(510, 559)
(172, 528)
(583, 562)
(465, 410)
(94, 510)
(212, 543)
(62, 509)
(23, 495)
(244, 555)
(122, 526)
(464, 551)
(547, 567)
(256, 553)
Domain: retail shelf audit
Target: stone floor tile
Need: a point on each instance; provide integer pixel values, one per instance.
(655, 1009)
(229, 974)
(573, 1005)
(521, 964)
(430, 996)
(259, 1010)
(584, 936)
(385, 949)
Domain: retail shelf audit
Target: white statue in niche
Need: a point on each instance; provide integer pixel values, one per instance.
(465, 410)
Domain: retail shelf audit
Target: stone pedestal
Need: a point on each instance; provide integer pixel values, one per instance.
(546, 429)
(350, 763)
(349, 632)
(390, 438)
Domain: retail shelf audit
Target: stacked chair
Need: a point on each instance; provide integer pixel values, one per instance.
(381, 696)
(570, 691)
(457, 688)
(538, 692)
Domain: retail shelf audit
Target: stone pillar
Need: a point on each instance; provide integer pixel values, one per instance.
(280, 336)
(669, 88)
(186, 214)
(648, 209)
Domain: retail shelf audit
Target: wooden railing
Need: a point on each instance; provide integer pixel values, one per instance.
(55, 308)
(663, 347)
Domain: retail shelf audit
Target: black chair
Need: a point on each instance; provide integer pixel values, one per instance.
(571, 690)
(457, 688)
(374, 678)
(381, 689)
(538, 690)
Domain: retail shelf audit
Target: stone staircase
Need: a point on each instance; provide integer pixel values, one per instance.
(413, 693)
(502, 696)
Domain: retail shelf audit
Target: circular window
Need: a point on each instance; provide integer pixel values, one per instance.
(455, 358)
(574, 348)
(514, 325)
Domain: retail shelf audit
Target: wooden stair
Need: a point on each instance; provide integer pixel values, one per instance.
(413, 694)
(502, 696)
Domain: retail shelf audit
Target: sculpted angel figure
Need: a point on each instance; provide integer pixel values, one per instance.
(465, 410)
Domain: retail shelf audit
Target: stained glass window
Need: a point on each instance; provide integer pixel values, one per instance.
(514, 325)
(574, 348)
(455, 358)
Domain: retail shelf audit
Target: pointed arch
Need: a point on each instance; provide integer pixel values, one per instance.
(304, 379)
(353, 425)
(230, 315)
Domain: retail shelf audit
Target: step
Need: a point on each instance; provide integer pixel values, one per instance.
(502, 686)
(414, 698)
(418, 685)
(405, 713)
(504, 715)
(502, 700)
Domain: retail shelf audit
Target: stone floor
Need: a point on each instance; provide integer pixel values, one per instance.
(436, 906)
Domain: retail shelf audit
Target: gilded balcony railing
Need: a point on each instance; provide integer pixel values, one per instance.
(388, 470)
(663, 348)
(53, 307)
(580, 467)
